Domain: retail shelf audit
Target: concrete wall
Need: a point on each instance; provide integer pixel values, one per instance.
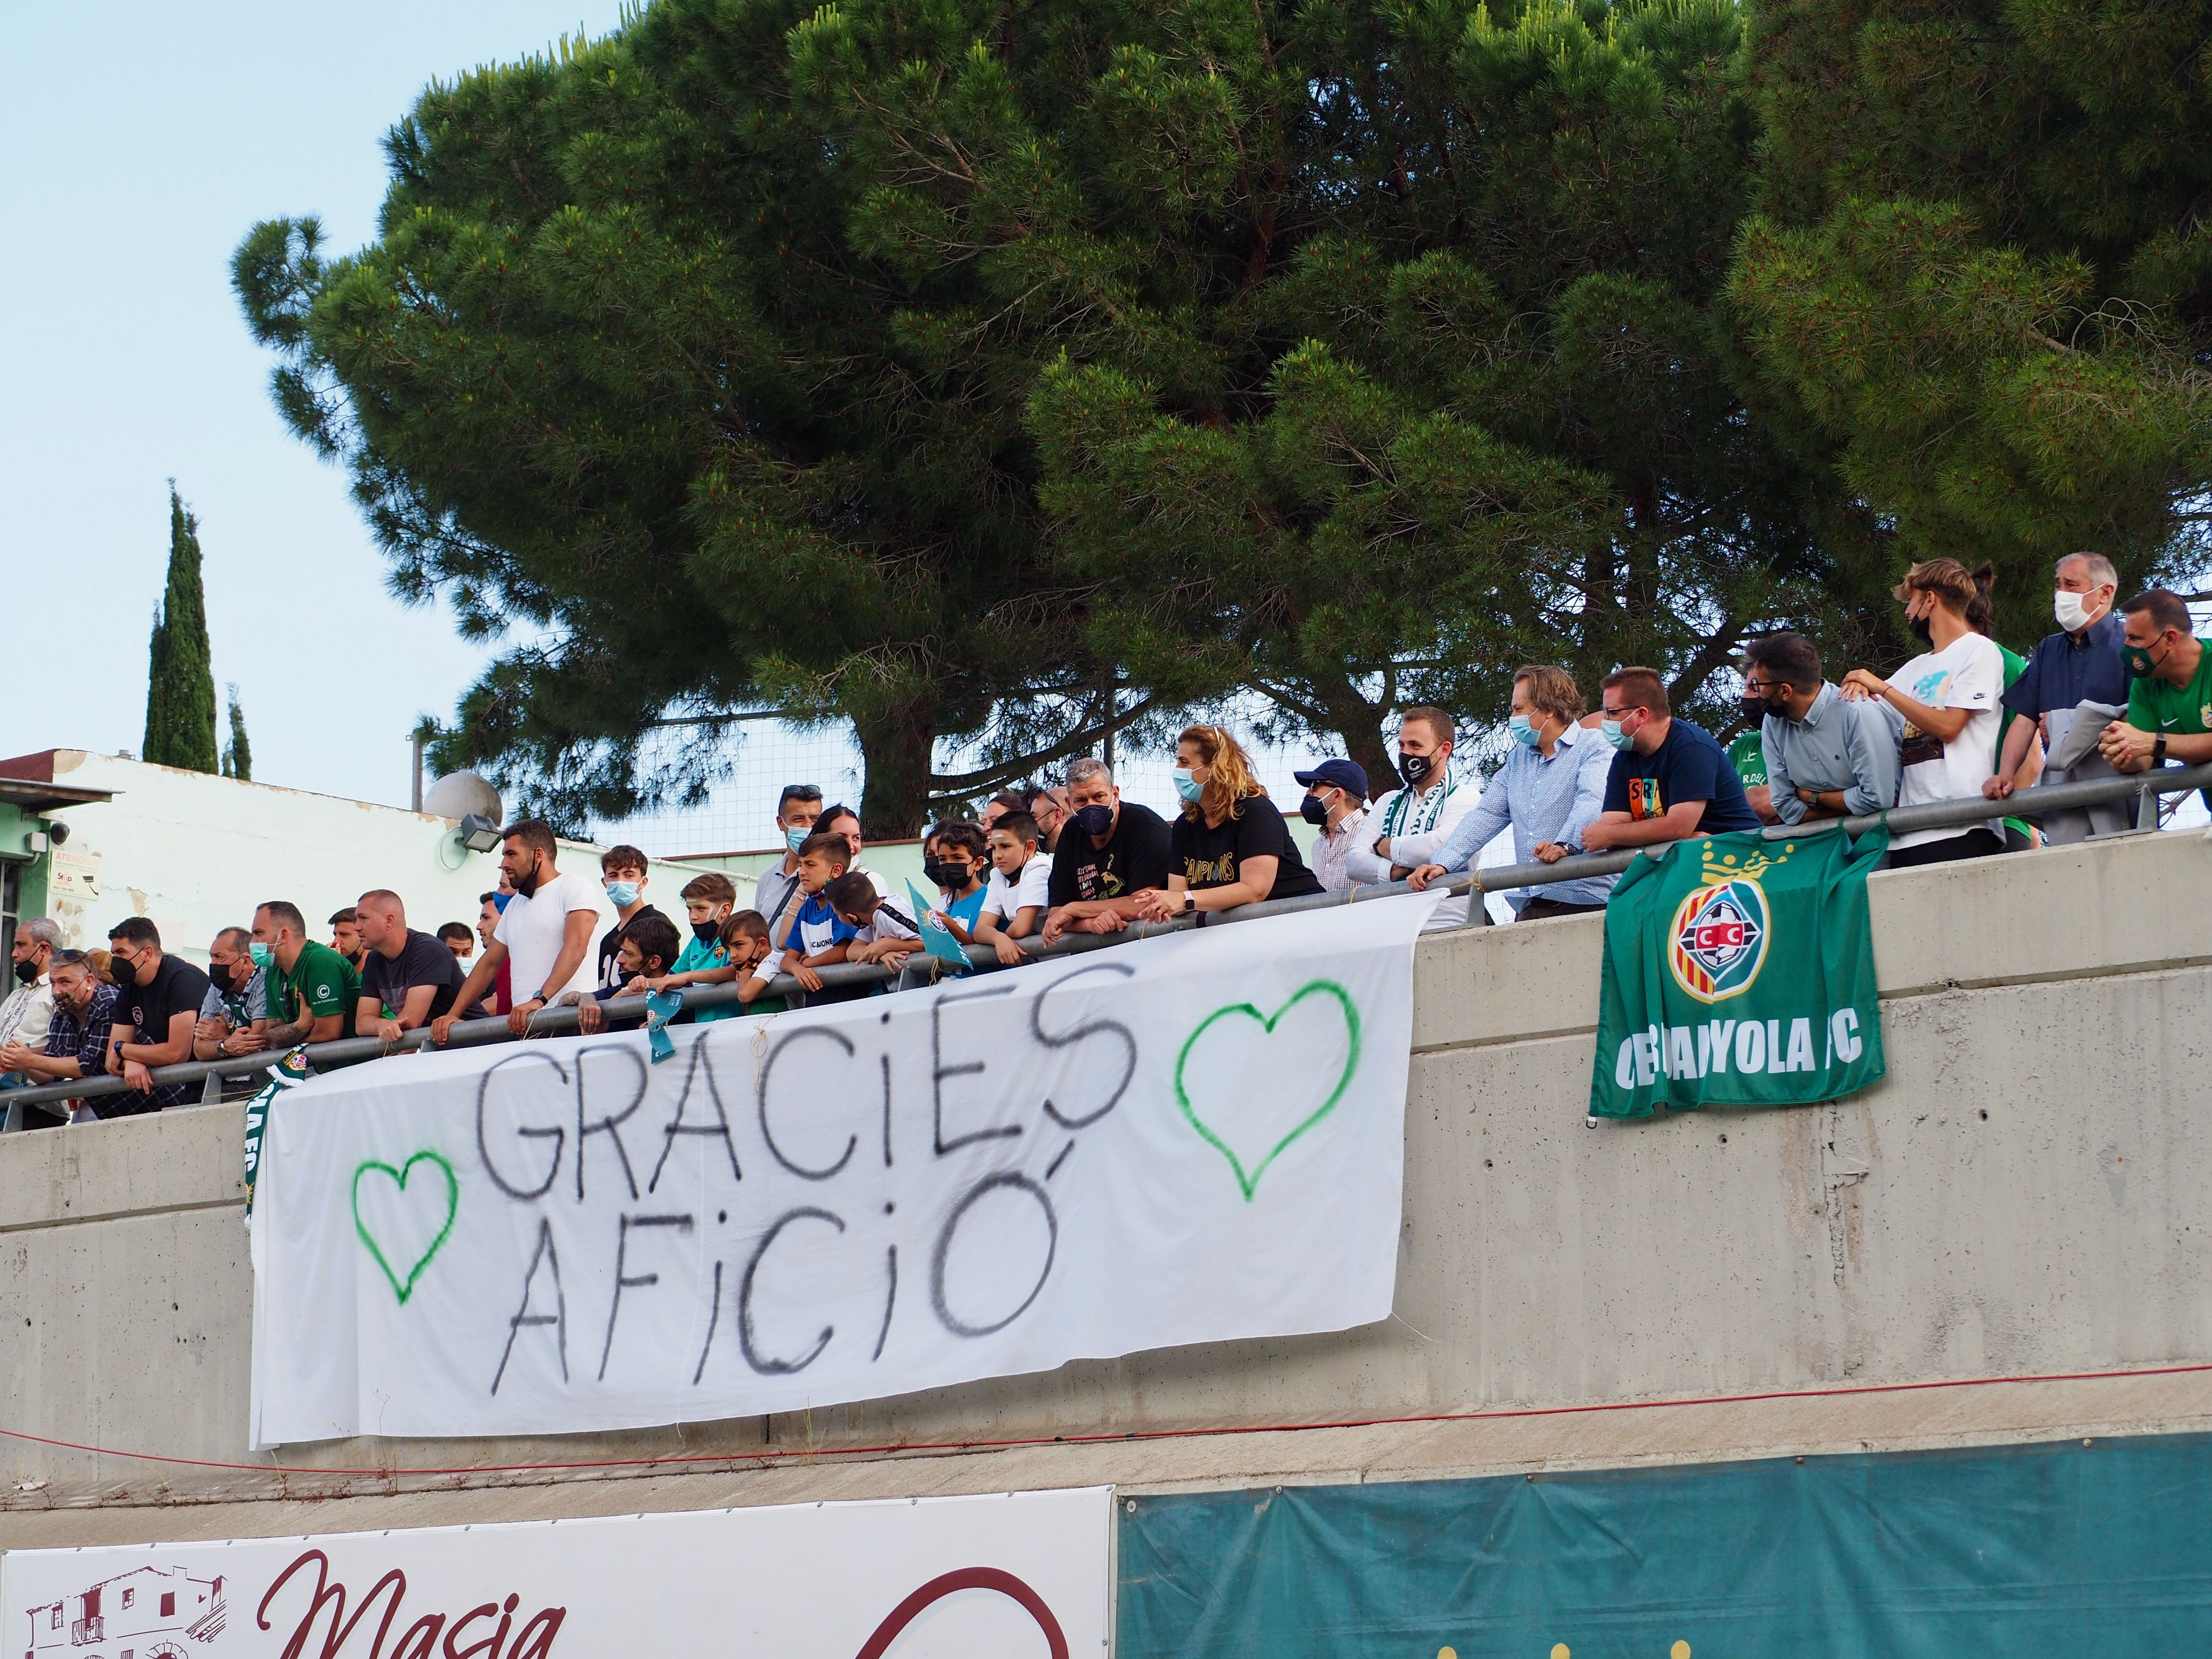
(2027, 1195)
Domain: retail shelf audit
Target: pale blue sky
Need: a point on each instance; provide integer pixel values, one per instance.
(142, 140)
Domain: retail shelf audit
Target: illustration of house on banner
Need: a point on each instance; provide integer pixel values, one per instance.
(150, 1613)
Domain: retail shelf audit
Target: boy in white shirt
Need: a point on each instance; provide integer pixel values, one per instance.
(1020, 892)
(881, 931)
(1949, 697)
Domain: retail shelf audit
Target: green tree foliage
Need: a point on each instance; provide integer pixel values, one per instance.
(1384, 344)
(1984, 269)
(238, 753)
(179, 682)
(615, 377)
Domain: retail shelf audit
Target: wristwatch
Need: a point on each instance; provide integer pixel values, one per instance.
(1190, 900)
(2158, 750)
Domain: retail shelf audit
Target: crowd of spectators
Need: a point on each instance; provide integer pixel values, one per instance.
(2109, 692)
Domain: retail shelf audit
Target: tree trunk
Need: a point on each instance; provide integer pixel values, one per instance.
(895, 745)
(1360, 723)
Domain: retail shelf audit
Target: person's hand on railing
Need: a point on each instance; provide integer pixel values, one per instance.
(2127, 748)
(1156, 904)
(1423, 875)
(807, 978)
(591, 1019)
(1009, 951)
(136, 1076)
(1996, 788)
(441, 1026)
(1108, 921)
(1550, 851)
(389, 1031)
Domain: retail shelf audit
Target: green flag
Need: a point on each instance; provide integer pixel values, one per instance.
(1739, 971)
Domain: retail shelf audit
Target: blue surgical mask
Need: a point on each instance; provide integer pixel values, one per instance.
(622, 894)
(1611, 732)
(1522, 728)
(795, 839)
(1187, 785)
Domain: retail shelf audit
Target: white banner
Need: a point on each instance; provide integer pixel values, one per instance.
(1024, 1576)
(1182, 1139)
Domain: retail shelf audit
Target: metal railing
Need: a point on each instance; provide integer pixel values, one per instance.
(2144, 788)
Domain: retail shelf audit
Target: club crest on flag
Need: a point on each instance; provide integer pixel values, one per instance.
(1718, 940)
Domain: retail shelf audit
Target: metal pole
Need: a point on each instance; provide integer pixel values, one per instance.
(1112, 696)
(416, 801)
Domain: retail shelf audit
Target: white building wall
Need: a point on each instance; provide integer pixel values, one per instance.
(196, 852)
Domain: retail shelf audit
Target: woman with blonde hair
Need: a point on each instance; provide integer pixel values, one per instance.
(1949, 697)
(1230, 845)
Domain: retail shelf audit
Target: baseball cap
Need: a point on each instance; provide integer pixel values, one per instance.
(1343, 773)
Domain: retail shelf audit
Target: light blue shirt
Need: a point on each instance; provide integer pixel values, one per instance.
(1839, 744)
(1543, 799)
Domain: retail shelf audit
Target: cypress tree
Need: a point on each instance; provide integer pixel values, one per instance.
(238, 754)
(179, 683)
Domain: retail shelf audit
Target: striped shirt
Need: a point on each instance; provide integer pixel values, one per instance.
(1554, 799)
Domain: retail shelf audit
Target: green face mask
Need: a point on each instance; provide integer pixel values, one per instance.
(2138, 660)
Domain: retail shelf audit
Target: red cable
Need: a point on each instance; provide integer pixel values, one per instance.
(768, 1455)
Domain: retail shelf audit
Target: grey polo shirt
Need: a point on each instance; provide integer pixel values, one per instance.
(1850, 746)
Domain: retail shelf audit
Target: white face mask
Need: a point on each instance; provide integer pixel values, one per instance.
(2072, 613)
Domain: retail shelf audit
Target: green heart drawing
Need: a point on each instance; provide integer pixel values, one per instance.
(1324, 988)
(404, 1288)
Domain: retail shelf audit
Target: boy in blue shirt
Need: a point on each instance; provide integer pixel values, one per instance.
(957, 857)
(815, 935)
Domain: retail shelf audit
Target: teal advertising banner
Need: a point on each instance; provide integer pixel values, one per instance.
(1739, 971)
(2102, 1551)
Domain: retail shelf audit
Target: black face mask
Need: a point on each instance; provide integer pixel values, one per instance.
(1415, 767)
(951, 877)
(1921, 632)
(525, 885)
(1314, 810)
(707, 933)
(120, 970)
(28, 971)
(1094, 820)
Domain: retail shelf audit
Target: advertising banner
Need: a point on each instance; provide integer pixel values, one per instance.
(1739, 971)
(1021, 1576)
(2084, 1548)
(1182, 1139)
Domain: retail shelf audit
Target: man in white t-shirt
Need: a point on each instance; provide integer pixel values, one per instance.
(1950, 696)
(1020, 893)
(545, 932)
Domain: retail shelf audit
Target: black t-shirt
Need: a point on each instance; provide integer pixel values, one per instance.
(610, 943)
(1687, 766)
(1214, 858)
(1135, 857)
(178, 988)
(422, 960)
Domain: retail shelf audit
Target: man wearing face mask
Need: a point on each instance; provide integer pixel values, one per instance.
(1669, 779)
(2170, 702)
(234, 1010)
(77, 1038)
(1336, 805)
(1110, 850)
(2073, 687)
(622, 877)
(544, 934)
(1827, 756)
(1551, 789)
(1407, 826)
(775, 890)
(159, 1005)
(29, 1008)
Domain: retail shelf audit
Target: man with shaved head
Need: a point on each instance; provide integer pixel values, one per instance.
(407, 978)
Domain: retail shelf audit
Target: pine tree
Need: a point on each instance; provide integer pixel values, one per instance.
(1984, 270)
(179, 682)
(238, 753)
